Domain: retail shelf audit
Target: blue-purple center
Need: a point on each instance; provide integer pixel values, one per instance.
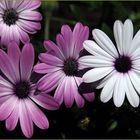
(123, 64)
(22, 89)
(70, 67)
(10, 16)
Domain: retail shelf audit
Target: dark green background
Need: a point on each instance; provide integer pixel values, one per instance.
(95, 120)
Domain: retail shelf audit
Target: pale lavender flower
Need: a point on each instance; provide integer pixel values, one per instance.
(118, 67)
(61, 65)
(17, 19)
(17, 92)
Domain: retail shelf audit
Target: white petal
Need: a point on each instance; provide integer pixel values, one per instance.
(94, 49)
(131, 94)
(108, 89)
(105, 80)
(135, 42)
(105, 43)
(135, 54)
(95, 61)
(96, 74)
(135, 80)
(127, 36)
(119, 91)
(118, 30)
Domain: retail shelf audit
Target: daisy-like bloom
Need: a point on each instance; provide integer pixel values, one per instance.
(17, 19)
(117, 68)
(60, 64)
(18, 99)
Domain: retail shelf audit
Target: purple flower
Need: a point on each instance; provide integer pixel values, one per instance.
(17, 18)
(17, 91)
(60, 64)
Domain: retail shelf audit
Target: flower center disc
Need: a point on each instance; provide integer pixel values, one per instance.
(22, 89)
(10, 16)
(70, 67)
(123, 64)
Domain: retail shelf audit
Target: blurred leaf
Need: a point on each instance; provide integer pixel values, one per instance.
(112, 125)
(84, 123)
(50, 5)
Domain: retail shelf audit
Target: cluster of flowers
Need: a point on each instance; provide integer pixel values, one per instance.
(117, 69)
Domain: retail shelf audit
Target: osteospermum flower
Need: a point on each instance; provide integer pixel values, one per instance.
(118, 67)
(17, 18)
(17, 92)
(61, 63)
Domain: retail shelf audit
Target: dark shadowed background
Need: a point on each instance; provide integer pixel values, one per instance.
(95, 120)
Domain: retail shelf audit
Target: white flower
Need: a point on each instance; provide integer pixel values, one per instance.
(118, 68)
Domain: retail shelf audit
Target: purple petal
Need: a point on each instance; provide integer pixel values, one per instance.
(2, 4)
(23, 36)
(37, 115)
(68, 92)
(89, 96)
(80, 34)
(67, 35)
(14, 55)
(4, 34)
(5, 83)
(78, 98)
(12, 120)
(25, 120)
(44, 68)
(7, 108)
(50, 81)
(26, 61)
(50, 59)
(3, 99)
(53, 48)
(26, 28)
(30, 15)
(29, 5)
(45, 101)
(7, 67)
(58, 96)
(29, 25)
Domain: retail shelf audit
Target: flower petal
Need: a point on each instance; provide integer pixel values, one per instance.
(25, 119)
(26, 66)
(118, 34)
(50, 59)
(45, 101)
(28, 5)
(54, 49)
(30, 15)
(80, 34)
(37, 115)
(14, 54)
(105, 43)
(96, 74)
(95, 61)
(12, 120)
(127, 35)
(119, 91)
(68, 92)
(78, 98)
(94, 49)
(135, 80)
(89, 96)
(67, 36)
(7, 67)
(7, 108)
(108, 89)
(50, 81)
(131, 94)
(44, 68)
